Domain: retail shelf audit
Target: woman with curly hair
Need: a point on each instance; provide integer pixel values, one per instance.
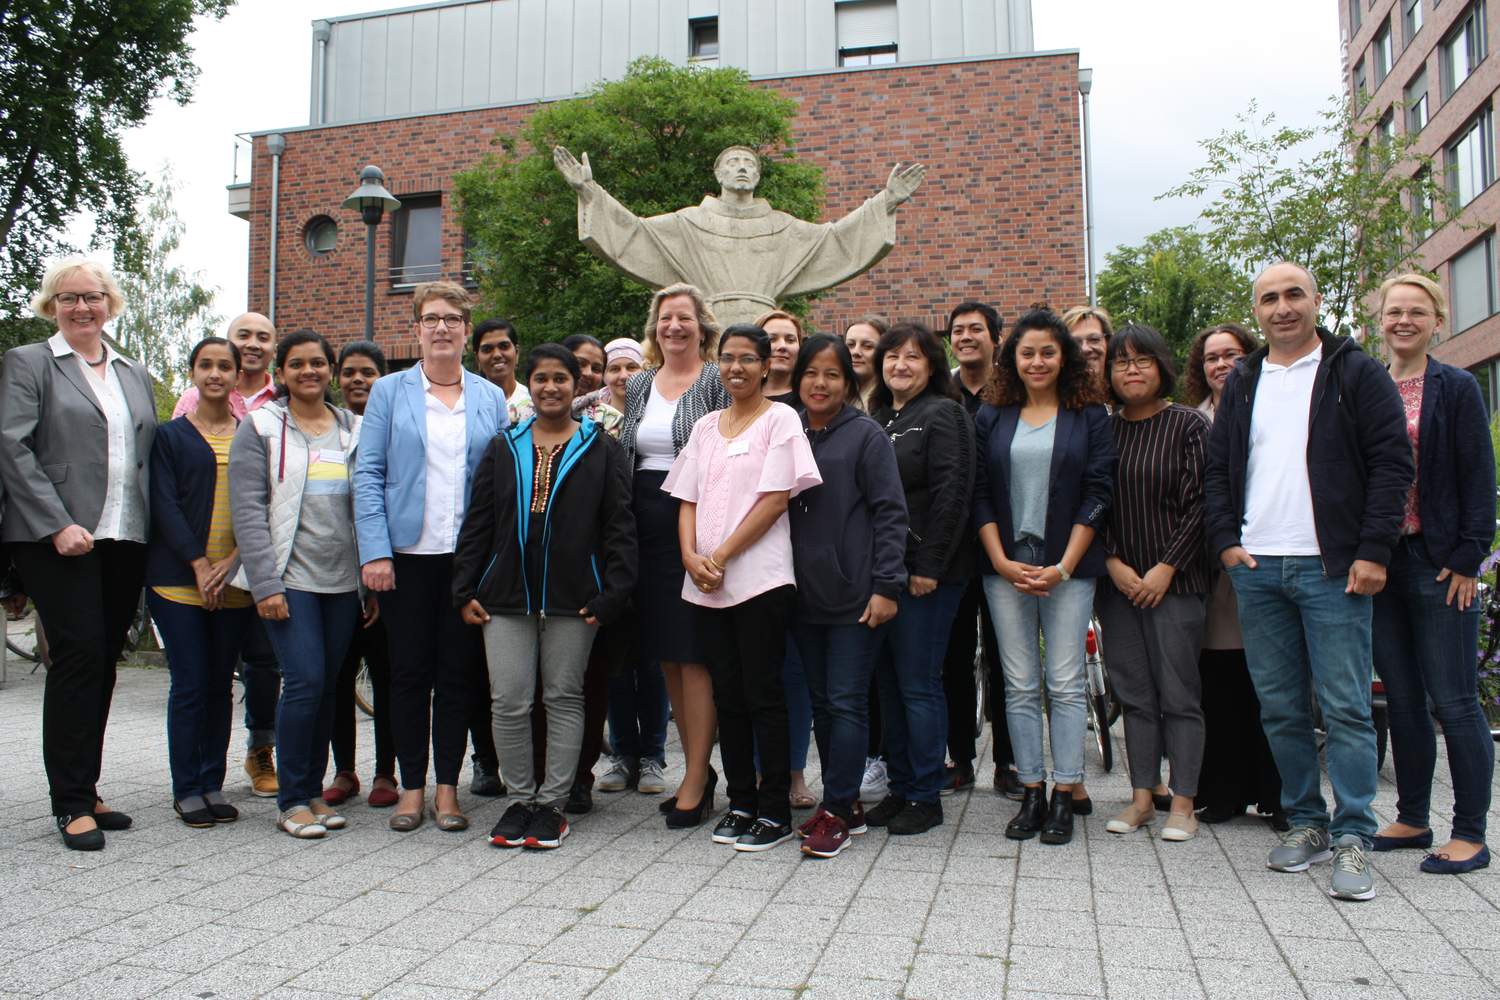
(1042, 496)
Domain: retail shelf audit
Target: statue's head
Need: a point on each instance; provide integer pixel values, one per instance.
(738, 169)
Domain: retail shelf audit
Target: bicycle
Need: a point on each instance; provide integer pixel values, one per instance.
(1100, 701)
(34, 649)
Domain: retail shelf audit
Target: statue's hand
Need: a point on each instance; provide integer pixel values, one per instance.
(903, 182)
(576, 174)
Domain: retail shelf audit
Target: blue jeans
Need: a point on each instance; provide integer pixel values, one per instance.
(1303, 634)
(1427, 648)
(1061, 621)
(838, 660)
(799, 708)
(310, 645)
(261, 675)
(201, 647)
(912, 706)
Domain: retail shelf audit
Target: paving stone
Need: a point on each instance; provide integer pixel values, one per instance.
(1143, 947)
(119, 982)
(597, 947)
(867, 956)
(1055, 969)
(639, 976)
(362, 968)
(955, 977)
(1132, 983)
(685, 940)
(542, 981)
(777, 964)
(471, 966)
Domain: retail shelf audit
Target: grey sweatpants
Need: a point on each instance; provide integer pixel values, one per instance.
(515, 649)
(1152, 658)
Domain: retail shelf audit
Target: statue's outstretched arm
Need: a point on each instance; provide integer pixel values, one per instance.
(901, 185)
(576, 174)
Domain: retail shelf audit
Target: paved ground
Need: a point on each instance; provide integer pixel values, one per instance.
(630, 909)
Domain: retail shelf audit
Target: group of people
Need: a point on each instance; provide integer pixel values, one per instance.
(790, 539)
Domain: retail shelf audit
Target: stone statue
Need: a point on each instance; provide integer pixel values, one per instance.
(740, 252)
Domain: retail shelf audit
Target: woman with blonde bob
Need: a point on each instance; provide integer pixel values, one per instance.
(1426, 620)
(77, 421)
(679, 386)
(786, 333)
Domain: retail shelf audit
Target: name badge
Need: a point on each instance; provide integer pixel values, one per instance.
(737, 448)
(330, 455)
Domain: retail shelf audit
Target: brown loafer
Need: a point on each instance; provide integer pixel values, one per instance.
(406, 822)
(450, 822)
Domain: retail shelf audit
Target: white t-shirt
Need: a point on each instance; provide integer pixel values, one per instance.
(1278, 496)
(447, 467)
(653, 438)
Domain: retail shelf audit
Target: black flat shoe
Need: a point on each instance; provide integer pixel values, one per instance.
(1059, 826)
(1008, 783)
(580, 799)
(1031, 816)
(88, 840)
(223, 811)
(199, 819)
(1420, 841)
(112, 821)
(1163, 803)
(1219, 814)
(1083, 806)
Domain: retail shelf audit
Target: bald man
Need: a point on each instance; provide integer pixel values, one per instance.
(1308, 471)
(254, 335)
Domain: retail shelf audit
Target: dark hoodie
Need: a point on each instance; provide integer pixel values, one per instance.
(849, 533)
(1358, 457)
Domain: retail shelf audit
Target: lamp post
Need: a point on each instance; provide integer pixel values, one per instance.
(372, 200)
(1085, 84)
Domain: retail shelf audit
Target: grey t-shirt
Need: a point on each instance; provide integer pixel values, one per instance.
(1030, 478)
(323, 559)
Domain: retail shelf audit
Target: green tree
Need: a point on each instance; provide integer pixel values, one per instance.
(167, 308)
(1172, 282)
(74, 74)
(652, 138)
(1338, 198)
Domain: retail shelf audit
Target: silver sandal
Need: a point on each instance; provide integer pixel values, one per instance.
(302, 831)
(327, 815)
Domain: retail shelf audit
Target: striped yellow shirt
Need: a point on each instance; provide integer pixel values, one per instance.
(220, 532)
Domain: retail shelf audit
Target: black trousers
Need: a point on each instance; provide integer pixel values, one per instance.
(1238, 769)
(85, 604)
(746, 644)
(972, 625)
(370, 645)
(437, 669)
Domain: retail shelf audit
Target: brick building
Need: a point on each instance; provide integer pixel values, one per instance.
(1000, 216)
(1422, 66)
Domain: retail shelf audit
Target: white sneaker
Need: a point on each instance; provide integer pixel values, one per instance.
(617, 778)
(651, 781)
(875, 784)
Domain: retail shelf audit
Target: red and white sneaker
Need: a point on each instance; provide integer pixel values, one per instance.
(856, 823)
(812, 824)
(828, 839)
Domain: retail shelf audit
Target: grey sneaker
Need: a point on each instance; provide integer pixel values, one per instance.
(1351, 870)
(652, 781)
(1300, 849)
(618, 778)
(875, 785)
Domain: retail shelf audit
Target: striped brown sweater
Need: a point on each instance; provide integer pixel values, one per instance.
(1157, 515)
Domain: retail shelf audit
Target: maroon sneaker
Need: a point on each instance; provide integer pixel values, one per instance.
(828, 839)
(857, 819)
(807, 828)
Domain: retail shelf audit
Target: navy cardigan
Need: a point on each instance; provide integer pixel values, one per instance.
(183, 476)
(1455, 470)
(1081, 485)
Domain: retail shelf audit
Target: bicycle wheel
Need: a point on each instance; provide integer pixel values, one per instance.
(23, 637)
(1097, 701)
(364, 690)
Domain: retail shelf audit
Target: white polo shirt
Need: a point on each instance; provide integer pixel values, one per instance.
(1278, 496)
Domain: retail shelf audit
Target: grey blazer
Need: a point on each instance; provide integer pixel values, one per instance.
(54, 442)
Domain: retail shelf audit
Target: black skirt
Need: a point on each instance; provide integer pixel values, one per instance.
(668, 624)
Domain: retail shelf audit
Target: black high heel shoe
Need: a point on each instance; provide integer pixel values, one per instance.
(88, 840)
(1031, 815)
(686, 819)
(665, 806)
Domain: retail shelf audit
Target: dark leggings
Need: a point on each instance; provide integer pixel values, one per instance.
(369, 645)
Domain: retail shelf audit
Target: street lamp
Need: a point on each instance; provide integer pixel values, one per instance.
(372, 200)
(1086, 84)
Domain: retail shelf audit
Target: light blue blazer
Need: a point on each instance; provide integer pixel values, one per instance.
(390, 472)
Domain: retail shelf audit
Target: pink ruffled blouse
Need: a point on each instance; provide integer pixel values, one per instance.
(725, 478)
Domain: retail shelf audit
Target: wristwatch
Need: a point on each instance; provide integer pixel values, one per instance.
(1063, 573)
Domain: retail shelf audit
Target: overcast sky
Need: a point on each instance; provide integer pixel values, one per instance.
(1167, 73)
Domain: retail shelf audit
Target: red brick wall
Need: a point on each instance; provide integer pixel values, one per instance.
(998, 218)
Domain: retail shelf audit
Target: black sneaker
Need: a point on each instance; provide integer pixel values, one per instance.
(485, 781)
(511, 830)
(580, 799)
(957, 779)
(763, 835)
(547, 829)
(917, 817)
(734, 823)
(889, 808)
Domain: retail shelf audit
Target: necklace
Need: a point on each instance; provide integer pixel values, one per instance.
(446, 385)
(97, 364)
(759, 409)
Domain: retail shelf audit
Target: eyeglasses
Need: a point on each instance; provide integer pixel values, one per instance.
(744, 360)
(1228, 357)
(451, 322)
(68, 300)
(1140, 362)
(1392, 315)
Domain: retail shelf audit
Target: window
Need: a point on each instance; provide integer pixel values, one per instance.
(1361, 84)
(1421, 205)
(1415, 98)
(703, 40)
(320, 235)
(1385, 136)
(1485, 375)
(1470, 160)
(1471, 278)
(1382, 52)
(866, 32)
(416, 240)
(1354, 16)
(1463, 49)
(1411, 19)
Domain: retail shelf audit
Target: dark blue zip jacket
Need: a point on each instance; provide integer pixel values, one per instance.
(588, 546)
(849, 533)
(184, 473)
(1455, 470)
(1358, 458)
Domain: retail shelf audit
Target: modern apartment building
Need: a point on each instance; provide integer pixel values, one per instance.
(422, 92)
(1425, 69)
